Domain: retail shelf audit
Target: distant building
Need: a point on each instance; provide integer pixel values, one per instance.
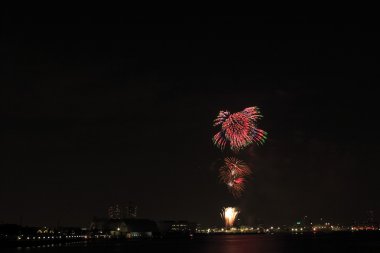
(370, 216)
(176, 228)
(117, 212)
(130, 210)
(124, 228)
(306, 221)
(369, 224)
(114, 212)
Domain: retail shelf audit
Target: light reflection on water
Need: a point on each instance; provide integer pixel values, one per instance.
(243, 243)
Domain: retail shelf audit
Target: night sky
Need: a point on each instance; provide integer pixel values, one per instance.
(104, 109)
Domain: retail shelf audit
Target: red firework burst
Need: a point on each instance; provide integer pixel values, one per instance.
(238, 129)
(232, 173)
(237, 189)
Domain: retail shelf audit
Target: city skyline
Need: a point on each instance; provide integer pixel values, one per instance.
(101, 111)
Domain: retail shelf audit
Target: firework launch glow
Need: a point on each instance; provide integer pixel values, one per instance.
(232, 173)
(239, 130)
(229, 215)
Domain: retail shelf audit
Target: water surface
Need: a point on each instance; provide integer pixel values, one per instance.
(348, 243)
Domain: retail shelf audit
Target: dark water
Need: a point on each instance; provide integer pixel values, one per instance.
(226, 244)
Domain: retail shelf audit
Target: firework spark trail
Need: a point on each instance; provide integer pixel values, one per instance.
(237, 166)
(237, 187)
(239, 180)
(253, 113)
(238, 129)
(229, 215)
(222, 116)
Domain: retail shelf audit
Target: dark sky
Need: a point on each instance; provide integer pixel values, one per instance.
(103, 109)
